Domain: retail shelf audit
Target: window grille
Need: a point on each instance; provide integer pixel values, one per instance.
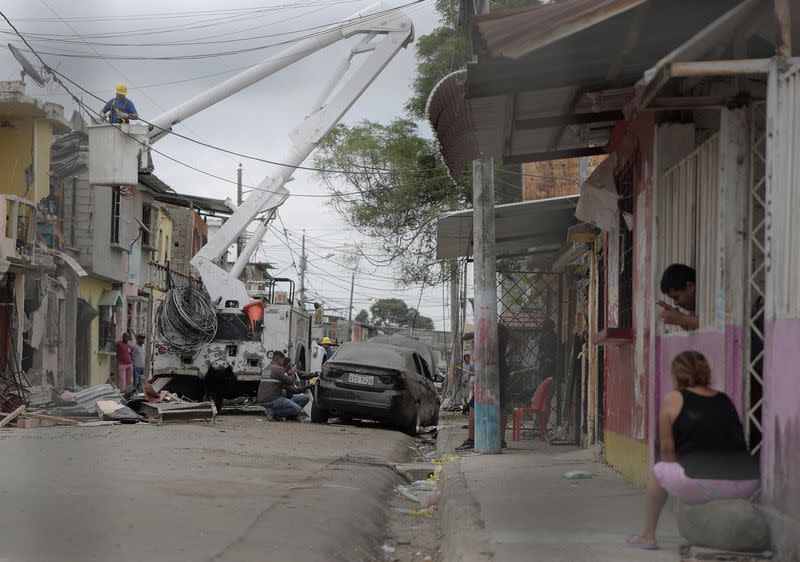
(115, 213)
(147, 213)
(687, 223)
(625, 188)
(106, 329)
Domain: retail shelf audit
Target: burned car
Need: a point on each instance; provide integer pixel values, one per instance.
(380, 382)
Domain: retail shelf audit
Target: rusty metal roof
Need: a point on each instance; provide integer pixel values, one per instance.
(514, 33)
(565, 91)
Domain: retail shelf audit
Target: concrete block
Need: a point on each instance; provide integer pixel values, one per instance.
(735, 525)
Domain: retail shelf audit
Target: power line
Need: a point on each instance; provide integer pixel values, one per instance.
(218, 54)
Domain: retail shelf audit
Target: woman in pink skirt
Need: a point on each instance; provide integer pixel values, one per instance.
(703, 452)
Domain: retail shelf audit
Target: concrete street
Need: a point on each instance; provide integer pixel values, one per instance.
(239, 489)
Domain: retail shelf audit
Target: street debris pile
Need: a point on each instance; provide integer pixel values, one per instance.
(103, 404)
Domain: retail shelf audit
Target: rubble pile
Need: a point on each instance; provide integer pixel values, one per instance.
(102, 404)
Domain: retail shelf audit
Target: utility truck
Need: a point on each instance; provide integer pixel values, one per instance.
(213, 339)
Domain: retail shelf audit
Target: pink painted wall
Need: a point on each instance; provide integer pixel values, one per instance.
(722, 350)
(780, 456)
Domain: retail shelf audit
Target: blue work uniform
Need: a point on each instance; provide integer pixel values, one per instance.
(125, 105)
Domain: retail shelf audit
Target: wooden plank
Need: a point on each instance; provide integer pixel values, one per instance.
(11, 416)
(55, 419)
(30, 423)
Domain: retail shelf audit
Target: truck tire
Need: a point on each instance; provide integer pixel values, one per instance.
(318, 415)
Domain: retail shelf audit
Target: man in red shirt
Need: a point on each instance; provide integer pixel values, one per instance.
(124, 363)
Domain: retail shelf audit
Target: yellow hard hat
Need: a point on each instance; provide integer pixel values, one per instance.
(326, 340)
(122, 89)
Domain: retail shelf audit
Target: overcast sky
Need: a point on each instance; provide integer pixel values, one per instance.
(254, 122)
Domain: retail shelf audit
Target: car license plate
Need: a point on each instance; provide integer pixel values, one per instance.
(361, 379)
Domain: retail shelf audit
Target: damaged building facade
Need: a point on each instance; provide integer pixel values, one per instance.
(80, 264)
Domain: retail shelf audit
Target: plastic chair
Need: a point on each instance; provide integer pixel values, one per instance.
(540, 405)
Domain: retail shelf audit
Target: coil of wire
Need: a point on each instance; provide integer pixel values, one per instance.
(185, 320)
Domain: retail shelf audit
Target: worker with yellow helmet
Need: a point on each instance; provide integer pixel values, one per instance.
(327, 344)
(120, 107)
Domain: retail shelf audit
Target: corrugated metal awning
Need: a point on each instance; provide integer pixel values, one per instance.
(529, 226)
(565, 91)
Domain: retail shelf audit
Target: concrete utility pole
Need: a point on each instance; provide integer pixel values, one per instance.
(352, 286)
(487, 375)
(240, 240)
(455, 329)
(303, 271)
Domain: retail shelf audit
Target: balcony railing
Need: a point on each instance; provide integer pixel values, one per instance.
(164, 277)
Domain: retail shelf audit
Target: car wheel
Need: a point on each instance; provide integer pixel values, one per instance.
(318, 415)
(412, 428)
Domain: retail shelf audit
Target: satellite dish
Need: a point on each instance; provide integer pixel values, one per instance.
(27, 67)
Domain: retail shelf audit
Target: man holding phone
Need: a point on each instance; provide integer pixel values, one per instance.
(678, 283)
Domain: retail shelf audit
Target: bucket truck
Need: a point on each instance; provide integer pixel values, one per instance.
(230, 364)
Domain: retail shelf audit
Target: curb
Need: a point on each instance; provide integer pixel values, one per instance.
(465, 537)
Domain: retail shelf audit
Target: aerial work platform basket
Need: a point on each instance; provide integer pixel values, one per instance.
(116, 153)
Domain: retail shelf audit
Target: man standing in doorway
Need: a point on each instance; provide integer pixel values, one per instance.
(124, 363)
(138, 355)
(678, 283)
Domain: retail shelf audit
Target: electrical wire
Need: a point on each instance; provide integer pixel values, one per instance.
(219, 54)
(185, 320)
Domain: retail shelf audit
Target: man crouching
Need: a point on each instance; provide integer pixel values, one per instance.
(274, 382)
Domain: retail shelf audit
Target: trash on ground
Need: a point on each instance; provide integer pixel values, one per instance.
(388, 548)
(578, 474)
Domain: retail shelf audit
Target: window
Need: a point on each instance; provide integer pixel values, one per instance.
(147, 221)
(688, 222)
(115, 212)
(625, 315)
(167, 250)
(106, 329)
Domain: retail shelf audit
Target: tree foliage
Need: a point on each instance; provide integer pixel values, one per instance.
(392, 183)
(394, 190)
(396, 311)
(362, 316)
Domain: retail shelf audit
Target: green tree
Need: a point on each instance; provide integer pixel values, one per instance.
(395, 188)
(389, 311)
(392, 183)
(419, 321)
(362, 316)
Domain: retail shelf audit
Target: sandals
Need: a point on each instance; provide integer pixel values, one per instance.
(638, 542)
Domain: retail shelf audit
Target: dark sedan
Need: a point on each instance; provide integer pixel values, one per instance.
(378, 382)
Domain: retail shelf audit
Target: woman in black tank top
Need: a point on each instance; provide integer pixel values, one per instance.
(703, 452)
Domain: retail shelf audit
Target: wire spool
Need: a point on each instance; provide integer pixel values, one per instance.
(185, 320)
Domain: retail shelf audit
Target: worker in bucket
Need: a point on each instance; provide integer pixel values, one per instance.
(121, 109)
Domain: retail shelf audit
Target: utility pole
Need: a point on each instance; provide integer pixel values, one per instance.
(456, 356)
(352, 286)
(487, 376)
(303, 271)
(240, 240)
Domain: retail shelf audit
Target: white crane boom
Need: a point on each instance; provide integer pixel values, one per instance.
(386, 32)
